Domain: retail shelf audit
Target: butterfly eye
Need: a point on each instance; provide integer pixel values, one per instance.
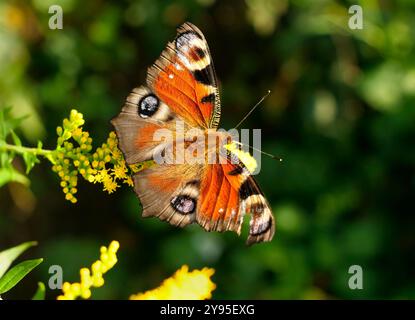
(148, 105)
(183, 204)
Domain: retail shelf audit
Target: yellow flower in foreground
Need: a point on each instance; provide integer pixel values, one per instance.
(91, 277)
(183, 285)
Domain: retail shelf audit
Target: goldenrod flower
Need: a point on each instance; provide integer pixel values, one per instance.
(91, 277)
(183, 285)
(120, 171)
(129, 181)
(109, 184)
(74, 157)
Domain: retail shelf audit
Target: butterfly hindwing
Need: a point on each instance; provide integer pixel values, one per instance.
(170, 192)
(262, 223)
(216, 196)
(228, 193)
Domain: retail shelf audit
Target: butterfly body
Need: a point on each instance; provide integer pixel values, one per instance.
(173, 120)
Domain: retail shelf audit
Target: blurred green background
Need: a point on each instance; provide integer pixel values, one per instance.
(341, 114)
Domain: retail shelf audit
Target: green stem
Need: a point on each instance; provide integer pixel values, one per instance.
(22, 150)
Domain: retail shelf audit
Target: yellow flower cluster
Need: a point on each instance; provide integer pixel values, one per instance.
(91, 277)
(109, 154)
(248, 160)
(183, 285)
(73, 156)
(67, 153)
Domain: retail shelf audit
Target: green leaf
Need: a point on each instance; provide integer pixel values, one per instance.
(9, 255)
(3, 127)
(40, 292)
(8, 122)
(5, 159)
(17, 273)
(9, 174)
(16, 139)
(30, 160)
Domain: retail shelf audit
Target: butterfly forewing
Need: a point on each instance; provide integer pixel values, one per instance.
(184, 78)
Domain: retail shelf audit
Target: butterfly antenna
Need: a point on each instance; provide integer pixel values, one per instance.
(263, 152)
(252, 110)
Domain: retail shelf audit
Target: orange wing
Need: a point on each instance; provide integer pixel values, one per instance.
(227, 193)
(184, 78)
(169, 192)
(181, 85)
